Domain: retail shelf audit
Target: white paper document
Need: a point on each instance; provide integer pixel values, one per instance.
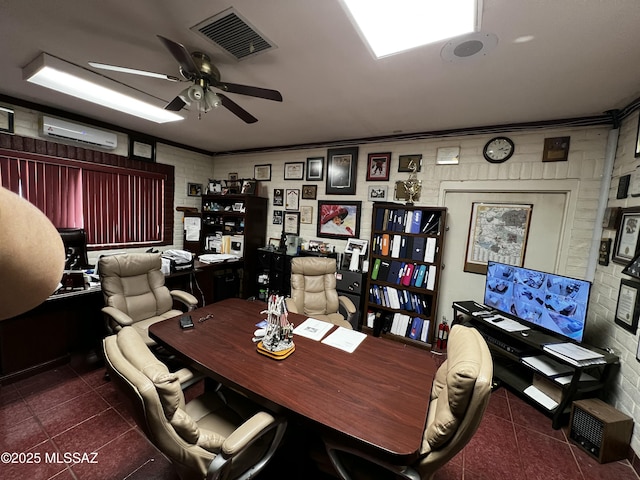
(345, 339)
(540, 397)
(574, 354)
(547, 365)
(192, 229)
(506, 324)
(313, 329)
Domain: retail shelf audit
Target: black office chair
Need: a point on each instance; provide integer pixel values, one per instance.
(75, 246)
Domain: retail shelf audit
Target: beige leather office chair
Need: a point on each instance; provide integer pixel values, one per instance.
(217, 435)
(459, 397)
(313, 291)
(135, 294)
(31, 256)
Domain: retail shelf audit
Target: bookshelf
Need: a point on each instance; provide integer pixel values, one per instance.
(405, 252)
(235, 224)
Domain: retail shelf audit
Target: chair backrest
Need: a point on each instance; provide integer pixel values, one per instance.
(459, 397)
(157, 402)
(134, 284)
(75, 245)
(313, 285)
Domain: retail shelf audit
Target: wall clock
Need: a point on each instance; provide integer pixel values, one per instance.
(498, 150)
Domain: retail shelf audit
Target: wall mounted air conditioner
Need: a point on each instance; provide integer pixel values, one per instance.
(57, 128)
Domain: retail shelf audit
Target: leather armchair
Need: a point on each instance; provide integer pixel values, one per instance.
(217, 435)
(313, 291)
(459, 398)
(135, 294)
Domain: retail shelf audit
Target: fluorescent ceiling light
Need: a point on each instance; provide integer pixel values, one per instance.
(56, 74)
(391, 27)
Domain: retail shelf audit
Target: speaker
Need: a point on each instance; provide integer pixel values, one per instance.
(600, 430)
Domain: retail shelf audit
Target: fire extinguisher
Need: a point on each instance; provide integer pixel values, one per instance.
(443, 335)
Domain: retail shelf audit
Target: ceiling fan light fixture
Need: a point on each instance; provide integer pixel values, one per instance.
(211, 99)
(56, 74)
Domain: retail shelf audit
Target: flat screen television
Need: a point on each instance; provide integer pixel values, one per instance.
(543, 300)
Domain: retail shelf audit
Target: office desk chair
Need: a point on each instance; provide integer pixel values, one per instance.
(217, 435)
(313, 291)
(75, 245)
(135, 294)
(31, 256)
(459, 397)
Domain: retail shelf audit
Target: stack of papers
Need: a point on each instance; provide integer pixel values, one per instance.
(546, 365)
(217, 257)
(574, 354)
(313, 329)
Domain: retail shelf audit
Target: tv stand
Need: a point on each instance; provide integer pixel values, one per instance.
(508, 349)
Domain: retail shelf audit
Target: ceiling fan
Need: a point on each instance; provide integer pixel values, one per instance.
(197, 68)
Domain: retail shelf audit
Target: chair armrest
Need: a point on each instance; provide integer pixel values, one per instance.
(243, 437)
(118, 316)
(291, 305)
(349, 307)
(185, 298)
(347, 304)
(358, 457)
(248, 432)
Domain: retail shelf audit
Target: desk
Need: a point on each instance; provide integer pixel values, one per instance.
(46, 335)
(377, 396)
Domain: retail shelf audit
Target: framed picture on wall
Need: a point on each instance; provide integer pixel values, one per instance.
(315, 168)
(292, 223)
(378, 166)
(294, 171)
(497, 231)
(341, 171)
(339, 219)
(262, 172)
(626, 243)
(627, 307)
(292, 199)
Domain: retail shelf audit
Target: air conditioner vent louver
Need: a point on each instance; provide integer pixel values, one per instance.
(234, 34)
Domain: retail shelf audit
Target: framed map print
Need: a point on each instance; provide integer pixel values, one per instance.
(497, 232)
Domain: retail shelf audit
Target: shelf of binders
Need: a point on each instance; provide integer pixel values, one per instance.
(405, 250)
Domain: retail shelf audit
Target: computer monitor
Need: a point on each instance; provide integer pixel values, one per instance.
(542, 300)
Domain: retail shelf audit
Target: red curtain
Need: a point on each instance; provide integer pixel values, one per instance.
(116, 206)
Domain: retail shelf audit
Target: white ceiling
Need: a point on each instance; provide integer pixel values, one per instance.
(583, 59)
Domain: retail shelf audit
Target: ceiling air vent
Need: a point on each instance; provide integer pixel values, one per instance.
(234, 34)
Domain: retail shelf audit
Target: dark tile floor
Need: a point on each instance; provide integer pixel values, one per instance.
(73, 410)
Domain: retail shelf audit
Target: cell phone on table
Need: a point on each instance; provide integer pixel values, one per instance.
(186, 322)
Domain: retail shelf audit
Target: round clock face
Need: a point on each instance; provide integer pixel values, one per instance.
(498, 150)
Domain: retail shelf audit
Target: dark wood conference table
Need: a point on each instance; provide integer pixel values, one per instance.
(378, 395)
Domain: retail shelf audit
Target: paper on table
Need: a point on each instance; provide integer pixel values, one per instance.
(506, 324)
(345, 339)
(547, 365)
(313, 329)
(540, 397)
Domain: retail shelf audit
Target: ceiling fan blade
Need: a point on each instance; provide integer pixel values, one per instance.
(176, 104)
(236, 109)
(182, 55)
(115, 68)
(251, 91)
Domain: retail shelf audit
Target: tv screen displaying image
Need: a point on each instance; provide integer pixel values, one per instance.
(545, 300)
